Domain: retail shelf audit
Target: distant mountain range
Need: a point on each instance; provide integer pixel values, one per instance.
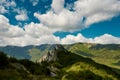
(104, 54)
(56, 64)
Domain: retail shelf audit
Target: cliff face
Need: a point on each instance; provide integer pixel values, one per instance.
(52, 55)
(60, 55)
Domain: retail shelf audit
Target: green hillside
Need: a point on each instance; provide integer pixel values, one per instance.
(75, 67)
(108, 54)
(103, 54)
(36, 52)
(64, 66)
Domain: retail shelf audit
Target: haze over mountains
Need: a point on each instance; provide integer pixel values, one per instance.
(105, 54)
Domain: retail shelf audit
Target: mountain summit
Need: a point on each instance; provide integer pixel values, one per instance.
(52, 55)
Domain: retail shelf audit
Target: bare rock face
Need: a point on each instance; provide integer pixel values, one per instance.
(52, 55)
(42, 59)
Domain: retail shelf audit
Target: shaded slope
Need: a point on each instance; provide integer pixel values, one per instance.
(103, 54)
(18, 52)
(59, 64)
(72, 66)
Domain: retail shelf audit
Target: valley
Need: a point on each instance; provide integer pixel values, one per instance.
(80, 61)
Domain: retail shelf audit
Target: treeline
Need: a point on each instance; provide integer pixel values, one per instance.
(68, 66)
(14, 69)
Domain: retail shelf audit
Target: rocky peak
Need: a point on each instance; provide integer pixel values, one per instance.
(52, 54)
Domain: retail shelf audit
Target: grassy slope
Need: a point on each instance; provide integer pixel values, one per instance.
(37, 52)
(69, 66)
(86, 71)
(79, 68)
(110, 57)
(103, 55)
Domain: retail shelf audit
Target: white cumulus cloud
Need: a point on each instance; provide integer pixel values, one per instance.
(2, 9)
(94, 11)
(37, 30)
(7, 30)
(103, 39)
(70, 39)
(33, 34)
(5, 5)
(58, 18)
(107, 39)
(22, 15)
(57, 5)
(36, 34)
(64, 21)
(34, 2)
(97, 10)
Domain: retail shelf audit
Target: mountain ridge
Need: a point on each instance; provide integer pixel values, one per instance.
(59, 64)
(104, 54)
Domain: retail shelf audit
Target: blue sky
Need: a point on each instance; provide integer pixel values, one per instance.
(35, 22)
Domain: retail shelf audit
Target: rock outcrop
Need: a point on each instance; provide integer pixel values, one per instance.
(52, 54)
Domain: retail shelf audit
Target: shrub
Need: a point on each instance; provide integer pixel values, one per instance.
(3, 60)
